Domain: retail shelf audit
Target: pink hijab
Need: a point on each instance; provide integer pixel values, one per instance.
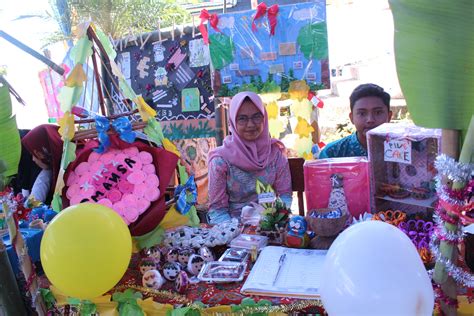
(247, 155)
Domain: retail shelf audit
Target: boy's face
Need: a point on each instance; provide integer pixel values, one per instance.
(368, 113)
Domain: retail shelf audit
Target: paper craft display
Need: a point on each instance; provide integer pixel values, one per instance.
(161, 71)
(124, 180)
(402, 166)
(338, 183)
(129, 178)
(299, 43)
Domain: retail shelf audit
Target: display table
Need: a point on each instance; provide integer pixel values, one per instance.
(33, 241)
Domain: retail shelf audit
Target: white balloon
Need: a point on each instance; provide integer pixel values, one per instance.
(373, 268)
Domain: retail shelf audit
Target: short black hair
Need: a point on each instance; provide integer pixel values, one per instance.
(369, 90)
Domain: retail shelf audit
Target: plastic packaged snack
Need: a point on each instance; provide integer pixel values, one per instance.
(222, 271)
(235, 255)
(249, 242)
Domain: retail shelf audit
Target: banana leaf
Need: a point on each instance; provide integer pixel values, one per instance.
(10, 146)
(434, 53)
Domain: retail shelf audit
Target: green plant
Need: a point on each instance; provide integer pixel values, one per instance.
(275, 216)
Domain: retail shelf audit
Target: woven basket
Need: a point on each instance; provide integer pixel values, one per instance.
(326, 227)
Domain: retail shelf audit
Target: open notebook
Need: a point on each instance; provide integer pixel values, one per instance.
(299, 276)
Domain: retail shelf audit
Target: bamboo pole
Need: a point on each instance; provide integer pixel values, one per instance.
(450, 147)
(11, 302)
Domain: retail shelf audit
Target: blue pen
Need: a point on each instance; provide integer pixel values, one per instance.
(281, 262)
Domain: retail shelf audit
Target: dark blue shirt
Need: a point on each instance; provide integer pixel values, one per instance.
(348, 146)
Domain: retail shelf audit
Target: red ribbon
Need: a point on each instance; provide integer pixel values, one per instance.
(213, 21)
(272, 13)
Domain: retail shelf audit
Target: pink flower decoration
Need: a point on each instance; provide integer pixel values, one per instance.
(75, 200)
(106, 202)
(93, 157)
(139, 190)
(125, 187)
(72, 191)
(142, 205)
(149, 169)
(71, 179)
(137, 177)
(114, 195)
(152, 194)
(145, 157)
(107, 157)
(152, 180)
(131, 151)
(138, 164)
(82, 168)
(96, 166)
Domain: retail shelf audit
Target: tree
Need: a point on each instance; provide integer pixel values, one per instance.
(114, 17)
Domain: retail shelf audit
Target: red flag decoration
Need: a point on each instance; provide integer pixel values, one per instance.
(272, 13)
(315, 100)
(213, 21)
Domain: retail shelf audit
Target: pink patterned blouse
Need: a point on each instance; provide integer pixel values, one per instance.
(231, 188)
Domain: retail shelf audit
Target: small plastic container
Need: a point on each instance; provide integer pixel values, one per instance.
(235, 255)
(222, 271)
(249, 242)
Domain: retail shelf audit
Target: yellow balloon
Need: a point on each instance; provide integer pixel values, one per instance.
(86, 250)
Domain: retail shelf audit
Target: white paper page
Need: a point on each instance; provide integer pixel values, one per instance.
(300, 273)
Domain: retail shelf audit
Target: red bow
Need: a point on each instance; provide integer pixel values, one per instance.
(213, 20)
(271, 13)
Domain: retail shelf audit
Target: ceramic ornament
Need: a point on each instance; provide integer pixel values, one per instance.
(172, 255)
(152, 279)
(195, 264)
(182, 282)
(337, 198)
(184, 255)
(147, 264)
(171, 270)
(206, 254)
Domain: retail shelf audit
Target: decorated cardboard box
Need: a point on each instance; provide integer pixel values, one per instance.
(402, 166)
(338, 181)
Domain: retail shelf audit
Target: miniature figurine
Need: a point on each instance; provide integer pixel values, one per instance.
(152, 279)
(296, 235)
(182, 282)
(172, 255)
(206, 254)
(171, 270)
(183, 256)
(155, 253)
(195, 264)
(147, 264)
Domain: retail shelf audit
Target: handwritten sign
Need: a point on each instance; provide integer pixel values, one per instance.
(397, 150)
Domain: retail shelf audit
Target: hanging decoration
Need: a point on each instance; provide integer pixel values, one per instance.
(272, 13)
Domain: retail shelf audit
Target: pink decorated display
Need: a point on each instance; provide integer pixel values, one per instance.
(124, 180)
(354, 172)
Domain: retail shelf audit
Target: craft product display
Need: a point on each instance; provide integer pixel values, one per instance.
(338, 183)
(235, 254)
(296, 234)
(402, 166)
(249, 242)
(198, 237)
(222, 271)
(153, 279)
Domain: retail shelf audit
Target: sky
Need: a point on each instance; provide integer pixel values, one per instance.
(22, 68)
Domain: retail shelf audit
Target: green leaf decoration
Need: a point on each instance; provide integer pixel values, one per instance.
(57, 203)
(313, 40)
(434, 53)
(69, 96)
(104, 40)
(154, 132)
(48, 297)
(127, 303)
(81, 50)
(5, 103)
(10, 150)
(126, 89)
(69, 154)
(150, 239)
(221, 49)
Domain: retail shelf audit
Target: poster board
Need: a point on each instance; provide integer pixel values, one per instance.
(258, 61)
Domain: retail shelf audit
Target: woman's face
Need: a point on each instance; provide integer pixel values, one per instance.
(249, 121)
(38, 158)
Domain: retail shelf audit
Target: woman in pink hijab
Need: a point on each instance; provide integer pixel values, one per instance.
(247, 154)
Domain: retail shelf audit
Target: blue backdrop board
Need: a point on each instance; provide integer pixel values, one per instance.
(251, 58)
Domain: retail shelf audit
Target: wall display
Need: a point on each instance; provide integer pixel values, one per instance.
(266, 48)
(172, 76)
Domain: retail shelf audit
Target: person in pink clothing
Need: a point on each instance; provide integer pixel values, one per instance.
(247, 154)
